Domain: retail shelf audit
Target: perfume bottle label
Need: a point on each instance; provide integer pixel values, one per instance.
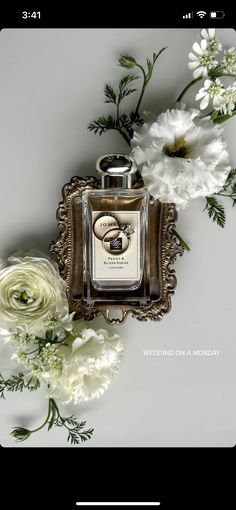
(116, 245)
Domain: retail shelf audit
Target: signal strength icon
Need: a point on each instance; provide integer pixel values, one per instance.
(188, 15)
(201, 14)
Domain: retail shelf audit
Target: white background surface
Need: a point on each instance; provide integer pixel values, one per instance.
(51, 88)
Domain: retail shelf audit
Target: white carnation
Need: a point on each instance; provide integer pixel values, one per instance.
(32, 296)
(89, 363)
(182, 156)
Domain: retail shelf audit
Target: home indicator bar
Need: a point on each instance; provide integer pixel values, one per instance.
(119, 503)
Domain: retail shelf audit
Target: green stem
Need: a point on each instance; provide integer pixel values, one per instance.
(213, 115)
(218, 75)
(182, 242)
(213, 74)
(145, 82)
(126, 138)
(50, 400)
(223, 194)
(188, 87)
(117, 110)
(32, 352)
(55, 405)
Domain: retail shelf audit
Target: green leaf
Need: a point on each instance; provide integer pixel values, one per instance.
(230, 178)
(49, 334)
(222, 118)
(17, 383)
(155, 56)
(149, 64)
(125, 93)
(128, 78)
(109, 94)
(135, 118)
(75, 429)
(181, 240)
(215, 211)
(229, 189)
(102, 124)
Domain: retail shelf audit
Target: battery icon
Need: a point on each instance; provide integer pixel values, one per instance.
(217, 14)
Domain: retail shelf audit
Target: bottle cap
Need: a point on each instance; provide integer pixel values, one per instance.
(116, 170)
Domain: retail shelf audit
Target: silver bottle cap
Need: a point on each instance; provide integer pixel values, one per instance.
(116, 170)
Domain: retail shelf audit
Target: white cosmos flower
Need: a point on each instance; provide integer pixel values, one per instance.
(89, 362)
(32, 295)
(182, 156)
(212, 89)
(202, 61)
(213, 43)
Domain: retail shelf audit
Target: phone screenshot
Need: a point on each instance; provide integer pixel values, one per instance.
(117, 279)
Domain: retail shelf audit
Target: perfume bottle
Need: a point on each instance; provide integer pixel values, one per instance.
(116, 250)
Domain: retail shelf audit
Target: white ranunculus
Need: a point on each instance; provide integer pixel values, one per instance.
(32, 295)
(89, 363)
(181, 155)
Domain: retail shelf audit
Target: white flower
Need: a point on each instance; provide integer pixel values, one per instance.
(203, 61)
(182, 156)
(210, 90)
(89, 363)
(229, 61)
(32, 293)
(213, 43)
(228, 100)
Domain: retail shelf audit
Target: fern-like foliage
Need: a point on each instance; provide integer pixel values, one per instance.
(215, 211)
(17, 383)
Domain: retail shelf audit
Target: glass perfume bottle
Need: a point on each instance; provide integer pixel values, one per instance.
(115, 221)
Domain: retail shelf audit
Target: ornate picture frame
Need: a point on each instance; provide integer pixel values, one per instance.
(68, 250)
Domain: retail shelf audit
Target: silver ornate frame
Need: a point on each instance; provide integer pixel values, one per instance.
(63, 248)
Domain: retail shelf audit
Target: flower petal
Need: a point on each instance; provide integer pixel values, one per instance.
(205, 72)
(192, 56)
(202, 92)
(198, 72)
(197, 48)
(193, 65)
(204, 103)
(204, 34)
(203, 45)
(211, 33)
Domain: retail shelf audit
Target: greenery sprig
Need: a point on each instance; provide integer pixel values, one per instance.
(214, 208)
(215, 211)
(17, 383)
(76, 433)
(124, 123)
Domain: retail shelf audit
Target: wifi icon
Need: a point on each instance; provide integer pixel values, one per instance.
(201, 14)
